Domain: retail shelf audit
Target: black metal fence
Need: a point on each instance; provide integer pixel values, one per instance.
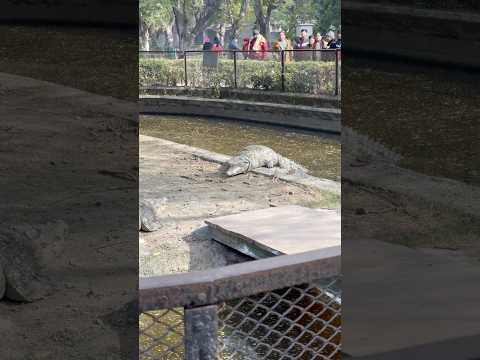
(282, 308)
(299, 70)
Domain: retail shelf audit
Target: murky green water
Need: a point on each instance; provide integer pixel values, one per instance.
(319, 153)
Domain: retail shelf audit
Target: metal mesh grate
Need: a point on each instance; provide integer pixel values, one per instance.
(301, 322)
(161, 335)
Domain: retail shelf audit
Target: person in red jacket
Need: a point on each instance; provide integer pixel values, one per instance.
(217, 46)
(258, 46)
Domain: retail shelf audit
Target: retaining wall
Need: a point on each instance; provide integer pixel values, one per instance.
(304, 117)
(321, 101)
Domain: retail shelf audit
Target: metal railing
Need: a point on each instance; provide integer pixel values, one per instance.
(201, 68)
(285, 307)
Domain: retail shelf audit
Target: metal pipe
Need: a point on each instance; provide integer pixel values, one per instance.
(336, 72)
(185, 67)
(235, 68)
(201, 333)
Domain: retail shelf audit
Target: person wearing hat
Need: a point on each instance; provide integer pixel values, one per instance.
(258, 46)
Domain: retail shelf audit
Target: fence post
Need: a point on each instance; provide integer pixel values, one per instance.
(336, 72)
(185, 67)
(235, 67)
(201, 333)
(282, 57)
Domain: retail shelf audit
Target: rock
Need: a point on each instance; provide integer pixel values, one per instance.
(23, 280)
(28, 252)
(148, 220)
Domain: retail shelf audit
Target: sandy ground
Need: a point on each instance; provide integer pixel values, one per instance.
(413, 222)
(187, 190)
(59, 151)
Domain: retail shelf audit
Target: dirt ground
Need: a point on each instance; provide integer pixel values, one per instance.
(98, 60)
(188, 190)
(77, 173)
(413, 222)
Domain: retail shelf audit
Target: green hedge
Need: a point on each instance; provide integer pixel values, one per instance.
(311, 77)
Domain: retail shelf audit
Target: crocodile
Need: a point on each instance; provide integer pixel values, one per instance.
(358, 149)
(27, 255)
(147, 220)
(256, 156)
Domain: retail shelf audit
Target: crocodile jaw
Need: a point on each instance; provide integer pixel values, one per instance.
(235, 170)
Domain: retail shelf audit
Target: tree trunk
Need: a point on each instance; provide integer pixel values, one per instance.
(263, 19)
(187, 30)
(236, 22)
(145, 39)
(181, 24)
(143, 30)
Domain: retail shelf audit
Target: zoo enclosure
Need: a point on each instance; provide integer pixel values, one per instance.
(280, 308)
(298, 70)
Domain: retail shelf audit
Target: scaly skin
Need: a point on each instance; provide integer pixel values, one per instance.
(256, 156)
(147, 220)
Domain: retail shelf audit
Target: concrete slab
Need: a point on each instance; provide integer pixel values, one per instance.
(397, 298)
(278, 230)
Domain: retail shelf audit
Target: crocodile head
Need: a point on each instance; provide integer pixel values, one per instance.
(238, 166)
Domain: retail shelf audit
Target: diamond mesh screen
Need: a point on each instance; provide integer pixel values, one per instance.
(300, 322)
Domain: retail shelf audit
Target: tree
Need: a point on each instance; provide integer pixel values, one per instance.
(263, 13)
(156, 17)
(328, 15)
(193, 17)
(234, 11)
(292, 12)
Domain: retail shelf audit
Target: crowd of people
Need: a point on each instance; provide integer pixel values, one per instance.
(257, 46)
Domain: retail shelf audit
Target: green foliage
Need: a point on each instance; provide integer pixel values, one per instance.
(155, 13)
(324, 13)
(195, 15)
(312, 77)
(293, 12)
(327, 15)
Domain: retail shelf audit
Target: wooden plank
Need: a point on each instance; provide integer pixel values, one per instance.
(276, 231)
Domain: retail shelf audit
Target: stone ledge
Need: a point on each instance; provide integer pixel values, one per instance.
(297, 116)
(276, 97)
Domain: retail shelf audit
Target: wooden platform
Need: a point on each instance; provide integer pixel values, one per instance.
(278, 231)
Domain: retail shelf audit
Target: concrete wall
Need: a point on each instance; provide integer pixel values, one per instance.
(305, 117)
(319, 101)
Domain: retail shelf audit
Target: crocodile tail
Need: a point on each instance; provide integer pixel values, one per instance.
(286, 163)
